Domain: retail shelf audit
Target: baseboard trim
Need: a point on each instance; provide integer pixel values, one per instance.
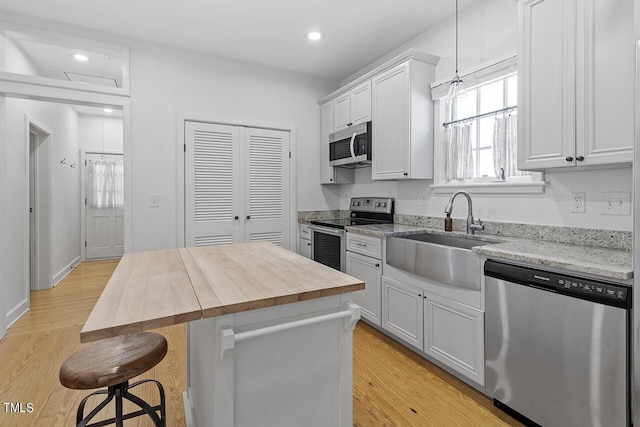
(17, 312)
(65, 271)
(188, 410)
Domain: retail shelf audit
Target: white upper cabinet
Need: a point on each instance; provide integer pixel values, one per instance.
(402, 122)
(361, 103)
(352, 107)
(576, 61)
(329, 174)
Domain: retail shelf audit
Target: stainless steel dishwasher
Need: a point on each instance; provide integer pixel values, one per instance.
(557, 347)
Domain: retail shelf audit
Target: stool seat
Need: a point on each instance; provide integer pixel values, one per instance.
(113, 361)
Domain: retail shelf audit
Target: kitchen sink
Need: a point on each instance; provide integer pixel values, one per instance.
(453, 241)
(443, 259)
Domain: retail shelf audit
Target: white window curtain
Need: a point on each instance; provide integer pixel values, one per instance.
(106, 183)
(458, 152)
(505, 147)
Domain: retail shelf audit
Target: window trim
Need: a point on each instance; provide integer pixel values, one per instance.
(484, 73)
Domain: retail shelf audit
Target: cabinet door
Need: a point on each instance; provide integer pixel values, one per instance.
(369, 271)
(546, 84)
(329, 174)
(454, 335)
(605, 72)
(326, 127)
(361, 103)
(391, 123)
(342, 111)
(305, 248)
(402, 311)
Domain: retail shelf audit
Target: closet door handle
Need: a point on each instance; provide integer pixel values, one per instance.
(569, 159)
(248, 216)
(236, 217)
(580, 158)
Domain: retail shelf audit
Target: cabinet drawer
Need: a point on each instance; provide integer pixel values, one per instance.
(365, 245)
(305, 232)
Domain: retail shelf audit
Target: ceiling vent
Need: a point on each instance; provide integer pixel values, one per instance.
(91, 79)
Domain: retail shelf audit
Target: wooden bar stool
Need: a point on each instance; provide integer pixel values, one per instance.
(112, 363)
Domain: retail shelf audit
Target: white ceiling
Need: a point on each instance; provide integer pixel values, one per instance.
(266, 32)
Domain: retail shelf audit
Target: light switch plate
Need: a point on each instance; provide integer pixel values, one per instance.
(616, 203)
(154, 200)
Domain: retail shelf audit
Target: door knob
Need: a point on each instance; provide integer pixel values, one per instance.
(236, 217)
(248, 216)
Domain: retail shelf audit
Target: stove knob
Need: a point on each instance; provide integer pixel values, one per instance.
(377, 204)
(384, 204)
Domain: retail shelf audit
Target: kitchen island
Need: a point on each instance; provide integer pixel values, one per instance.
(269, 333)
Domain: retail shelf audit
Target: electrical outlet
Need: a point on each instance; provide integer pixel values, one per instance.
(421, 198)
(578, 203)
(616, 203)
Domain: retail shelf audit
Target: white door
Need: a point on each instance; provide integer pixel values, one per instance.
(104, 204)
(213, 205)
(266, 160)
(237, 185)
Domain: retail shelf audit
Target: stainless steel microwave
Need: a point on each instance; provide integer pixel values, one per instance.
(351, 147)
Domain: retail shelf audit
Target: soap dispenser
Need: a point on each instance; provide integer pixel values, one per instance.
(448, 223)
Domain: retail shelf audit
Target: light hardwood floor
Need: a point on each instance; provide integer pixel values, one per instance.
(392, 385)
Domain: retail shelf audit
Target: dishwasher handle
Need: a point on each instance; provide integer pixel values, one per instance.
(542, 286)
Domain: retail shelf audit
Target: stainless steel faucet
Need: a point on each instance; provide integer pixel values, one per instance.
(472, 225)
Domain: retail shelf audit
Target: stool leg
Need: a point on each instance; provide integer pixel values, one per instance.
(146, 407)
(162, 406)
(83, 422)
(120, 392)
(80, 414)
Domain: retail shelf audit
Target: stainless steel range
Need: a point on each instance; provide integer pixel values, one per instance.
(328, 235)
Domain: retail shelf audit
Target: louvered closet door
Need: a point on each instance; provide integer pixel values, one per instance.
(213, 185)
(267, 186)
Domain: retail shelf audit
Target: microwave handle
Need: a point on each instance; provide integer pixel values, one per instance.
(353, 153)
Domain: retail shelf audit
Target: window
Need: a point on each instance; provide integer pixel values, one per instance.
(486, 112)
(476, 139)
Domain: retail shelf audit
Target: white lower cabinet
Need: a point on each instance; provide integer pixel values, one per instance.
(454, 335)
(369, 271)
(304, 245)
(448, 331)
(402, 311)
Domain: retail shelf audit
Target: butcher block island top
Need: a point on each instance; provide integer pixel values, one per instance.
(153, 289)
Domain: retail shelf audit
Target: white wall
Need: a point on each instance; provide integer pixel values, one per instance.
(4, 230)
(100, 132)
(167, 82)
(62, 121)
(488, 30)
(64, 232)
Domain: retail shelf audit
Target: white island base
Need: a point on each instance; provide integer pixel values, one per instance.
(285, 365)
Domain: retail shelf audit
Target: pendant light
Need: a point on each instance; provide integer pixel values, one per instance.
(456, 88)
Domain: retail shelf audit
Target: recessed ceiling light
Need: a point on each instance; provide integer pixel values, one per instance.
(314, 35)
(108, 110)
(80, 57)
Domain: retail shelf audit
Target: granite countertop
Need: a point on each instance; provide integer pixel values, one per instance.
(601, 261)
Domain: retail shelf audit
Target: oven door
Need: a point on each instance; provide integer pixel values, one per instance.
(328, 246)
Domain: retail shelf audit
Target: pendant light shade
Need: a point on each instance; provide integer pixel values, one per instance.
(456, 88)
